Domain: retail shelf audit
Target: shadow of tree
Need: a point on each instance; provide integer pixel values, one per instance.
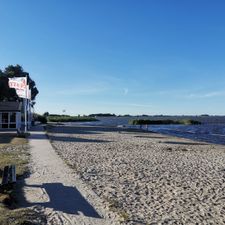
(75, 139)
(39, 136)
(89, 129)
(183, 143)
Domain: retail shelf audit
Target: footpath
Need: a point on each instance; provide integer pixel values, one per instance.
(55, 190)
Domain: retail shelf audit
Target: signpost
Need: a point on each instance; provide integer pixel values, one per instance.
(23, 91)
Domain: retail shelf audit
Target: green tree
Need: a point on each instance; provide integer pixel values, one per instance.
(6, 93)
(46, 114)
(17, 71)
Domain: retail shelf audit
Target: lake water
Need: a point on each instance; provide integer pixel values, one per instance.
(212, 133)
(212, 129)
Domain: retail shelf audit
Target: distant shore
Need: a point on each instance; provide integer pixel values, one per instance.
(147, 177)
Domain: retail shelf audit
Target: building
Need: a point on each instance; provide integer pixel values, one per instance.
(10, 115)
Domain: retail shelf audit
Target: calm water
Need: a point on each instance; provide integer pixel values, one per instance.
(212, 129)
(212, 133)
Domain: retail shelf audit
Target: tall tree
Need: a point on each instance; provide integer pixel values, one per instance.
(17, 71)
(6, 93)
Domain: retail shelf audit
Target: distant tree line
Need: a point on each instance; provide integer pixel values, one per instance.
(102, 114)
(46, 117)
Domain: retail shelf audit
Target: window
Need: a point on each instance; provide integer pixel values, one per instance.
(4, 125)
(12, 117)
(5, 118)
(8, 120)
(12, 125)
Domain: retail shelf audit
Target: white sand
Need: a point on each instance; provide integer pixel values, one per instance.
(147, 177)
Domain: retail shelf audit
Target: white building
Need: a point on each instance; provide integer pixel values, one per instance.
(10, 115)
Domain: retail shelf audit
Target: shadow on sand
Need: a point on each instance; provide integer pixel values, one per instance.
(183, 143)
(65, 138)
(64, 199)
(84, 129)
(74, 139)
(154, 137)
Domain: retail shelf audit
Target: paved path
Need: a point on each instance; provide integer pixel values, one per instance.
(54, 188)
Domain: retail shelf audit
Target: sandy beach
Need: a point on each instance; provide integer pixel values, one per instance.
(148, 178)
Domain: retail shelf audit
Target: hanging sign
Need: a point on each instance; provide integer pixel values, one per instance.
(20, 85)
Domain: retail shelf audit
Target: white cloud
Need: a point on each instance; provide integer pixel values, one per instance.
(206, 95)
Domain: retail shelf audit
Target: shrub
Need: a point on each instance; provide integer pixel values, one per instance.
(163, 122)
(189, 122)
(41, 119)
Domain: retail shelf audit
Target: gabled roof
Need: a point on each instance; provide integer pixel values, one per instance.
(10, 106)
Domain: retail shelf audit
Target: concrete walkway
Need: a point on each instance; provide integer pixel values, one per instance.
(55, 189)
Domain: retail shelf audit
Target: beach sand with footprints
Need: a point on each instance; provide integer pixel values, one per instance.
(147, 178)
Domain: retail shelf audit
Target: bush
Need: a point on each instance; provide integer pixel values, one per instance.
(163, 122)
(41, 119)
(190, 122)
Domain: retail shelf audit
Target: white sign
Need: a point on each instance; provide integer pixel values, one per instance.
(20, 84)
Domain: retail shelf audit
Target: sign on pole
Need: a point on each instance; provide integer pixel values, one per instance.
(20, 85)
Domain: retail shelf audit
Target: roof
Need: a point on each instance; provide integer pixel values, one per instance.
(10, 106)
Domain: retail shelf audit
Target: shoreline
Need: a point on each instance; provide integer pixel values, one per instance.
(147, 177)
(210, 133)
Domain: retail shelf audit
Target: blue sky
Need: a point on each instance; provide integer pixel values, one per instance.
(119, 56)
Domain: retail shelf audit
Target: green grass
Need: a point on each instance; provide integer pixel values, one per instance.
(65, 118)
(163, 122)
(7, 139)
(21, 217)
(14, 150)
(19, 156)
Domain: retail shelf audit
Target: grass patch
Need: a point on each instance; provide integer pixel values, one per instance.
(21, 217)
(20, 161)
(14, 150)
(9, 139)
(164, 122)
(124, 215)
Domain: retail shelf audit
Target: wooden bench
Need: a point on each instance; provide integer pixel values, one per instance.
(9, 176)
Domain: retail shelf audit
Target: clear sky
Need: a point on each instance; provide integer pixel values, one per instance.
(119, 56)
